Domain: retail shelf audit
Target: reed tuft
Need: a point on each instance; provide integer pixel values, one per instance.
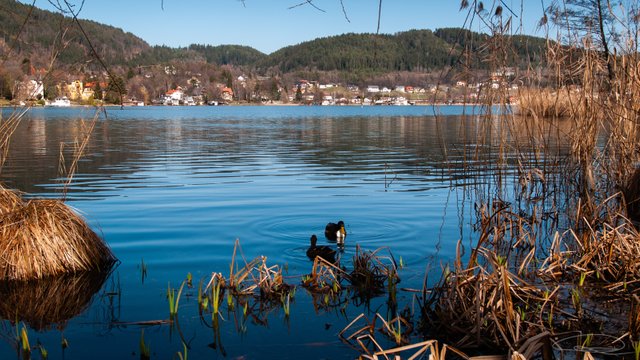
(40, 238)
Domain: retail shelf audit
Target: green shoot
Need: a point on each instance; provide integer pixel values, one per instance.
(583, 277)
(185, 354)
(145, 349)
(24, 340)
(174, 300)
(215, 296)
(230, 301)
(44, 354)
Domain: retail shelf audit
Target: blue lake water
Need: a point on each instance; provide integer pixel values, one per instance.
(174, 187)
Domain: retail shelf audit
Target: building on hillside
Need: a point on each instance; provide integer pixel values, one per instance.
(373, 89)
(226, 94)
(173, 97)
(73, 90)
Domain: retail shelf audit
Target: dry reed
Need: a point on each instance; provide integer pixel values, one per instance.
(9, 200)
(46, 238)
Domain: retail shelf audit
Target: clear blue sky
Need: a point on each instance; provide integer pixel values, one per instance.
(269, 25)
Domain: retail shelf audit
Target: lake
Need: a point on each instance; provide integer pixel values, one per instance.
(170, 189)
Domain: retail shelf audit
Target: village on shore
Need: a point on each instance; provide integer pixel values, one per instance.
(241, 91)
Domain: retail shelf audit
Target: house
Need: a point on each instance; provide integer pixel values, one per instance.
(373, 89)
(461, 83)
(400, 88)
(328, 100)
(173, 97)
(89, 89)
(408, 89)
(74, 90)
(226, 94)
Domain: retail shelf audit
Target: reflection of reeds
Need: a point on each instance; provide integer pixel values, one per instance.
(43, 303)
(45, 238)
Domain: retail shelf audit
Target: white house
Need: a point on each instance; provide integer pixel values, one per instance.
(373, 89)
(173, 97)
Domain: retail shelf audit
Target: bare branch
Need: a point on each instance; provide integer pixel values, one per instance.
(379, 16)
(307, 2)
(344, 11)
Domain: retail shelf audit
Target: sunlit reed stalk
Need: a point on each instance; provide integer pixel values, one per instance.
(174, 300)
(24, 341)
(216, 291)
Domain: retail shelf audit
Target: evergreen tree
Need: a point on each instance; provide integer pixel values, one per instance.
(298, 93)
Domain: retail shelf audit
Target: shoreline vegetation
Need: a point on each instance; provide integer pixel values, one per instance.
(554, 242)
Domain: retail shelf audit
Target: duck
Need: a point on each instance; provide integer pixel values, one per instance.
(335, 232)
(322, 251)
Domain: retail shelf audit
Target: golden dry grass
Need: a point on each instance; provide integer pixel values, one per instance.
(9, 200)
(42, 238)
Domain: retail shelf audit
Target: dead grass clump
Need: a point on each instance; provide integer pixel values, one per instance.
(9, 200)
(325, 277)
(371, 271)
(43, 303)
(486, 306)
(46, 238)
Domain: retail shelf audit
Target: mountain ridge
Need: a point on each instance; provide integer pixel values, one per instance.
(419, 50)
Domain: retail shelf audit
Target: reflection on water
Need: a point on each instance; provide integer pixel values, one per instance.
(174, 187)
(49, 302)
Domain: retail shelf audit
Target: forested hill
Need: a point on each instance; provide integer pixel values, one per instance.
(46, 33)
(415, 50)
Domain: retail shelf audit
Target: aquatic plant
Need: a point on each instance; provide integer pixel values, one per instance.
(145, 348)
(174, 300)
(24, 343)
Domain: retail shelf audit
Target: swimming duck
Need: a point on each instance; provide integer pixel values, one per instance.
(324, 252)
(336, 232)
